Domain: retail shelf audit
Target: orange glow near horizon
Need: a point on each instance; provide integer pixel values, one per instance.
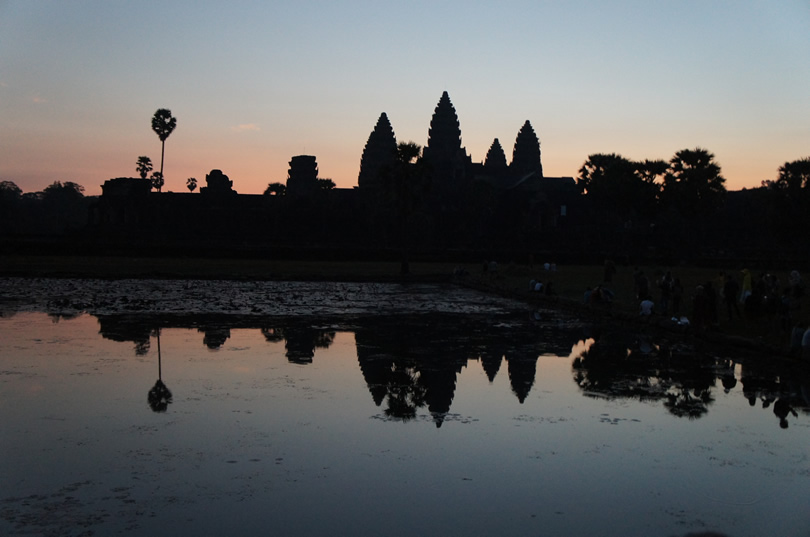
(252, 88)
(252, 173)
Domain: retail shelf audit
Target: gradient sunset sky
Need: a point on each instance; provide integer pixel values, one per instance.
(254, 83)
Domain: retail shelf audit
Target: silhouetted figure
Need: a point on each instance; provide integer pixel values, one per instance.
(747, 287)
(782, 409)
(699, 309)
(677, 296)
(806, 345)
(598, 295)
(711, 303)
(642, 285)
(610, 270)
(727, 377)
(731, 292)
(646, 308)
(665, 289)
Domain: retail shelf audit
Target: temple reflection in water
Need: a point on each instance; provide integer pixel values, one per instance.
(414, 363)
(301, 424)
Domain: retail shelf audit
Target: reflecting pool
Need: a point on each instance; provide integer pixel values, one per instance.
(487, 421)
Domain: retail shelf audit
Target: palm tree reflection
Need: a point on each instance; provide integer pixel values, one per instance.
(685, 404)
(405, 392)
(159, 396)
(612, 368)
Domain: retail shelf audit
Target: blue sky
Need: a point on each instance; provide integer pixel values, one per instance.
(255, 83)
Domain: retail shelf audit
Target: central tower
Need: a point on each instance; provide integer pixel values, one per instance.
(444, 154)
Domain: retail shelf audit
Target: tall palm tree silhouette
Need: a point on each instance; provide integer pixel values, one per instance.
(163, 123)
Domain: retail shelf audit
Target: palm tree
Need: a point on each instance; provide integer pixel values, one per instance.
(693, 183)
(163, 123)
(157, 180)
(275, 189)
(191, 183)
(794, 176)
(143, 166)
(409, 184)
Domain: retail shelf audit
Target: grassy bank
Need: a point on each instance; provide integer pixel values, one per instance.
(214, 268)
(568, 281)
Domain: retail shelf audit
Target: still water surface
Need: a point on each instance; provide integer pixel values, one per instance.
(402, 425)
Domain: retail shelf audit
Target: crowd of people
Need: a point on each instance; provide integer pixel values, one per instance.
(763, 299)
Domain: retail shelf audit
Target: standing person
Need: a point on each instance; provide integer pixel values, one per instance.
(711, 304)
(642, 286)
(731, 290)
(677, 295)
(806, 346)
(646, 308)
(747, 286)
(665, 286)
(719, 283)
(699, 317)
(610, 270)
(796, 293)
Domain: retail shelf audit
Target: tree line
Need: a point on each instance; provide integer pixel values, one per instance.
(623, 204)
(690, 183)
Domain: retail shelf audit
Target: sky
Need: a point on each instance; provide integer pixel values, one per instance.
(253, 84)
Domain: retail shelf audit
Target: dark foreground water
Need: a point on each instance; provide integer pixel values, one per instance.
(487, 420)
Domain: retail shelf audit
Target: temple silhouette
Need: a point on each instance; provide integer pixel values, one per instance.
(454, 204)
(438, 204)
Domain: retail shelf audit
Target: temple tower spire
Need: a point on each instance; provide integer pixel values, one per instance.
(378, 155)
(444, 136)
(447, 159)
(496, 158)
(526, 154)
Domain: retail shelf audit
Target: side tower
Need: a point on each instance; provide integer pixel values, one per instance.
(302, 178)
(496, 158)
(217, 183)
(378, 156)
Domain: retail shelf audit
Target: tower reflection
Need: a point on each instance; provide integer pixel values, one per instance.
(412, 362)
